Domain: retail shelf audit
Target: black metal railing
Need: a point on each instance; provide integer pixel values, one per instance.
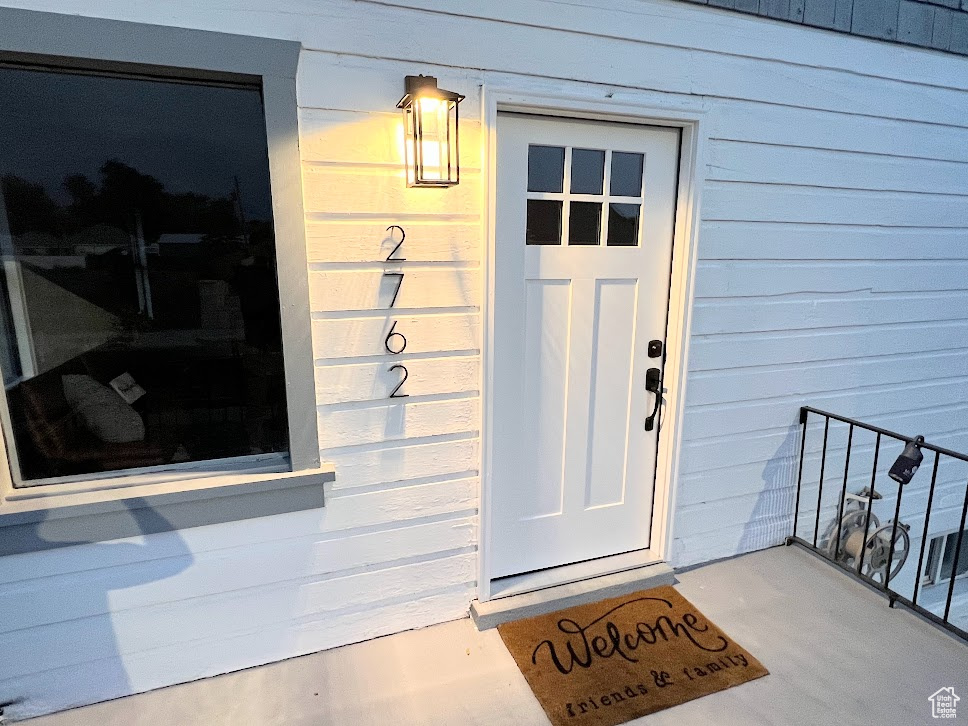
(872, 556)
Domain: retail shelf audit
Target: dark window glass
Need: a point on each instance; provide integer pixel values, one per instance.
(546, 168)
(623, 225)
(587, 171)
(140, 311)
(584, 223)
(934, 550)
(626, 175)
(544, 222)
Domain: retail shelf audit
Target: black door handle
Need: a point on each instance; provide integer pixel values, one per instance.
(653, 383)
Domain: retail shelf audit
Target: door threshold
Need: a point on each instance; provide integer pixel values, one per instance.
(553, 576)
(551, 599)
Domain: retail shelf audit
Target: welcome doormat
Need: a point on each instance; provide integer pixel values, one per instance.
(614, 660)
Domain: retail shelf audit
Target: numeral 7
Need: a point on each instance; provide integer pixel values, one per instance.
(399, 285)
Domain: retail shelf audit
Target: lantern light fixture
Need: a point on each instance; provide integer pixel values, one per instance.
(906, 465)
(430, 133)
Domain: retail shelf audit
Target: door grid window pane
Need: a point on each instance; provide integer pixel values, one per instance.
(584, 223)
(140, 309)
(623, 225)
(546, 168)
(626, 174)
(544, 222)
(587, 171)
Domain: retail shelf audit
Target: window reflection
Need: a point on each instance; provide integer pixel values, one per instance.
(139, 310)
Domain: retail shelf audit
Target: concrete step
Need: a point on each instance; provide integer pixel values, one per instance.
(530, 604)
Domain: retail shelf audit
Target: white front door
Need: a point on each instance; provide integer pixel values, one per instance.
(585, 216)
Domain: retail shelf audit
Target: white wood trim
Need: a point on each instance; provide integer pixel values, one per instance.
(252, 464)
(692, 159)
(576, 572)
(52, 499)
(547, 599)
(489, 222)
(692, 118)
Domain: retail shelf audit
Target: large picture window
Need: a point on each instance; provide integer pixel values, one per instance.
(139, 302)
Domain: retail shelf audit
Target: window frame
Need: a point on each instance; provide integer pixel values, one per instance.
(934, 576)
(73, 43)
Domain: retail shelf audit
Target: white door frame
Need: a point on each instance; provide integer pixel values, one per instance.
(691, 120)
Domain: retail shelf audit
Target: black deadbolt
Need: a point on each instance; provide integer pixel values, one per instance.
(655, 348)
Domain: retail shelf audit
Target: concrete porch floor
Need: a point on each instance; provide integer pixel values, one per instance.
(836, 654)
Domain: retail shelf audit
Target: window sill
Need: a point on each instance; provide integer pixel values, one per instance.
(33, 519)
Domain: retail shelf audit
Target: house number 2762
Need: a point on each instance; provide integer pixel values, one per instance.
(396, 342)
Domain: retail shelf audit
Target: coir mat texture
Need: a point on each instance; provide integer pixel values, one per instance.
(614, 660)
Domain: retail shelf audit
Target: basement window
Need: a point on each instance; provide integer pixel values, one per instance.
(941, 558)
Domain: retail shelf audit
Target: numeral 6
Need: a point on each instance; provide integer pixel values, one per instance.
(391, 334)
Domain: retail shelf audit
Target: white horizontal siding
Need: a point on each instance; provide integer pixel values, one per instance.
(762, 163)
(65, 687)
(808, 379)
(875, 403)
(374, 381)
(364, 336)
(736, 350)
(340, 191)
(350, 241)
(833, 260)
(810, 311)
(343, 290)
(781, 125)
(742, 201)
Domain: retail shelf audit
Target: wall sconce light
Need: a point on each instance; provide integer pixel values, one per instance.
(430, 130)
(906, 465)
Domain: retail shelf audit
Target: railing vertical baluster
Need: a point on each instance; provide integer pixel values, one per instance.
(803, 446)
(890, 550)
(870, 502)
(823, 464)
(924, 536)
(831, 550)
(843, 491)
(954, 565)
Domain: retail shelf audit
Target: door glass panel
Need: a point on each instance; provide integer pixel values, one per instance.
(623, 225)
(544, 222)
(546, 168)
(587, 170)
(626, 174)
(584, 223)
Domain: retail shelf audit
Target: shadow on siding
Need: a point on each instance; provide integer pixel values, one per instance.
(772, 517)
(84, 600)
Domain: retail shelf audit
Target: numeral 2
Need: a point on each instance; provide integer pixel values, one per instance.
(391, 334)
(399, 284)
(403, 236)
(406, 374)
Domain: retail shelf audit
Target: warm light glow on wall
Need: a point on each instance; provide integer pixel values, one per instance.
(430, 133)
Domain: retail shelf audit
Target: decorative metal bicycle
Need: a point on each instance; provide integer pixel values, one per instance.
(862, 543)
